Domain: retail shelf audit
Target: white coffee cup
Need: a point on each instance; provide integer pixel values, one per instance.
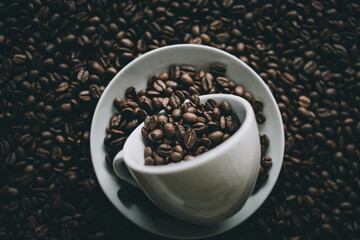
(209, 188)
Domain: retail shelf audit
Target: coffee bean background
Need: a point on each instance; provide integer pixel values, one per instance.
(56, 58)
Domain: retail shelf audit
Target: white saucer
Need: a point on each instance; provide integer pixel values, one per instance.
(142, 211)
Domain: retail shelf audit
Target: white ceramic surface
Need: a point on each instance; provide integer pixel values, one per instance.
(142, 212)
(209, 188)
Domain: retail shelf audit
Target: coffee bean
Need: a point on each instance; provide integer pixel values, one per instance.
(189, 118)
(12, 192)
(194, 99)
(225, 108)
(190, 70)
(186, 79)
(85, 96)
(159, 160)
(176, 156)
(180, 132)
(150, 122)
(83, 75)
(148, 151)
(159, 86)
(187, 157)
(164, 150)
(207, 82)
(189, 138)
(239, 90)
(222, 37)
(216, 137)
(149, 161)
(199, 127)
(4, 147)
(156, 135)
(95, 91)
(200, 150)
(310, 67)
(83, 35)
(176, 114)
(232, 123)
(174, 101)
(174, 72)
(260, 117)
(218, 70)
(223, 82)
(180, 95)
(216, 113)
(19, 58)
(169, 130)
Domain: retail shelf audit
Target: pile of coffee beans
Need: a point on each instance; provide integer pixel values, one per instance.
(168, 91)
(188, 131)
(56, 58)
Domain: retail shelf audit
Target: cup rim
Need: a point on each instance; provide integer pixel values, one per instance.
(203, 158)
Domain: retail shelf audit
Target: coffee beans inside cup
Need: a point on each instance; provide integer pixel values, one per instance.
(188, 131)
(168, 91)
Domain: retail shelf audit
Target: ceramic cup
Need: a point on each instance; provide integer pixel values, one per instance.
(208, 188)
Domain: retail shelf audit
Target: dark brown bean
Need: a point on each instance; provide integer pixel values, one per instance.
(216, 137)
(189, 138)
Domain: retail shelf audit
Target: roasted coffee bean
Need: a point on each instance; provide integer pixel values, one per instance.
(156, 135)
(159, 160)
(174, 72)
(148, 151)
(159, 86)
(195, 100)
(207, 82)
(213, 126)
(218, 69)
(164, 150)
(225, 108)
(200, 150)
(190, 70)
(169, 130)
(216, 113)
(176, 114)
(176, 156)
(257, 104)
(216, 137)
(150, 122)
(189, 138)
(180, 132)
(222, 82)
(199, 127)
(4, 147)
(51, 42)
(260, 117)
(190, 118)
(187, 157)
(149, 161)
(239, 90)
(232, 123)
(145, 104)
(186, 79)
(174, 101)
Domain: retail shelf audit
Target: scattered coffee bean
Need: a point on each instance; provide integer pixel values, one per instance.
(46, 43)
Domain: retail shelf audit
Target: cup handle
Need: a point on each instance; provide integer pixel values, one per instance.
(122, 171)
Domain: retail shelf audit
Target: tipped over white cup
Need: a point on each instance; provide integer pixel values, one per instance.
(208, 188)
